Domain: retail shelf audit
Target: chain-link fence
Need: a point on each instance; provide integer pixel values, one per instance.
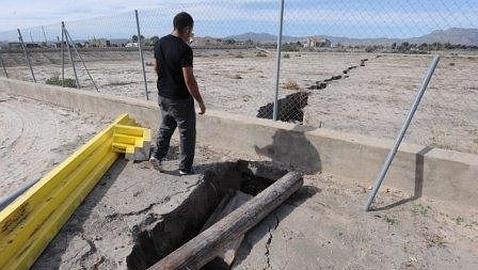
(346, 65)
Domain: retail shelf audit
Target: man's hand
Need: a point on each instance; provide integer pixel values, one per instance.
(193, 89)
(202, 108)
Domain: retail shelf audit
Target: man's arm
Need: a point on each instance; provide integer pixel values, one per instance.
(156, 66)
(193, 87)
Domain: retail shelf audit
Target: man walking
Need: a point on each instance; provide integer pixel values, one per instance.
(177, 90)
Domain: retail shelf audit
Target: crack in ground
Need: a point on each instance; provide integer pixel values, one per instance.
(291, 107)
(93, 250)
(323, 84)
(269, 241)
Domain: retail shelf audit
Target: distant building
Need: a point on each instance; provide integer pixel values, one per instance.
(14, 45)
(131, 45)
(97, 43)
(317, 42)
(32, 45)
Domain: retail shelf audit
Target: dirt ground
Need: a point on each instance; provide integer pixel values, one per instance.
(35, 137)
(372, 99)
(322, 226)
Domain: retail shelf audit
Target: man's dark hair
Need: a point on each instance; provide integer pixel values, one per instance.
(183, 20)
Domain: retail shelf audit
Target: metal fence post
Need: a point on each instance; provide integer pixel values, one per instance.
(3, 65)
(71, 55)
(275, 112)
(401, 134)
(141, 55)
(44, 35)
(20, 38)
(68, 37)
(62, 57)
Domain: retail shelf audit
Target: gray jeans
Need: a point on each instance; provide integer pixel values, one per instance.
(180, 114)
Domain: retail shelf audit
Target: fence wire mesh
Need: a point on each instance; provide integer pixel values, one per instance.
(346, 65)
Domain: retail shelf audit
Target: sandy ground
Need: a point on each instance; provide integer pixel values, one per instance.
(323, 226)
(35, 137)
(373, 100)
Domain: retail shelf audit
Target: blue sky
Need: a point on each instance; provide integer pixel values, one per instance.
(352, 18)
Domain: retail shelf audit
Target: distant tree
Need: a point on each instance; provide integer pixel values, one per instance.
(370, 48)
(404, 47)
(423, 46)
(436, 46)
(134, 38)
(151, 41)
(394, 46)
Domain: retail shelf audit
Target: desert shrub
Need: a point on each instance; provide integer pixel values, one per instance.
(291, 85)
(56, 80)
(286, 56)
(237, 77)
(239, 55)
(261, 54)
(452, 64)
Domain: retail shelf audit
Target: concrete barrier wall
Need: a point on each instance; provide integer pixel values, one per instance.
(435, 173)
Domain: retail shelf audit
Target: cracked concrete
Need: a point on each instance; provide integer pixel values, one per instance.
(131, 196)
(269, 241)
(323, 226)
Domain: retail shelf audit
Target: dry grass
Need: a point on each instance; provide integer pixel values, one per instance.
(291, 85)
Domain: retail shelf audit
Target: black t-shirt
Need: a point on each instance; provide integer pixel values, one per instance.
(173, 54)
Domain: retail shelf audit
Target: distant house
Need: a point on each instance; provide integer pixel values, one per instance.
(317, 42)
(32, 45)
(131, 45)
(97, 43)
(14, 45)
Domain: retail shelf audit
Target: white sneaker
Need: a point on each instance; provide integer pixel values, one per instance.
(182, 172)
(156, 163)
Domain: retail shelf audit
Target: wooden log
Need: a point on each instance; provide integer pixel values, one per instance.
(227, 255)
(207, 245)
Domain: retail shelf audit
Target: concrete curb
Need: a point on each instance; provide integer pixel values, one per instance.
(435, 173)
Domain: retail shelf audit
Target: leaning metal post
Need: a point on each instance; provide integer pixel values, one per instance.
(141, 54)
(3, 65)
(68, 37)
(401, 134)
(275, 113)
(71, 55)
(20, 38)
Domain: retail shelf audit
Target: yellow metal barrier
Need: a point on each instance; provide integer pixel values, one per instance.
(29, 223)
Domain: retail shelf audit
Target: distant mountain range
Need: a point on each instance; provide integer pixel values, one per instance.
(463, 36)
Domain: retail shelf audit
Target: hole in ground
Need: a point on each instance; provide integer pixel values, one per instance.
(155, 240)
(291, 108)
